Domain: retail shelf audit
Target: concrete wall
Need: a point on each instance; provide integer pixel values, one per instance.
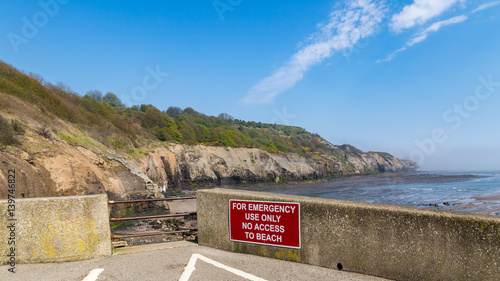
(394, 242)
(56, 229)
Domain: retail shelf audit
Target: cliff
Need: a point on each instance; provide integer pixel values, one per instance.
(220, 166)
(48, 165)
(61, 143)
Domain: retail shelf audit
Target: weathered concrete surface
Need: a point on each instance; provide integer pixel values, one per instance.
(54, 229)
(168, 261)
(394, 242)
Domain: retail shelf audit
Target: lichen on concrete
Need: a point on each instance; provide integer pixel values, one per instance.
(59, 229)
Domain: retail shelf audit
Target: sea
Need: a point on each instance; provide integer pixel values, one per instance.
(477, 192)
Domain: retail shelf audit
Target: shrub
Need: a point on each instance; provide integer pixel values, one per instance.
(7, 135)
(17, 127)
(175, 134)
(162, 134)
(44, 132)
(226, 139)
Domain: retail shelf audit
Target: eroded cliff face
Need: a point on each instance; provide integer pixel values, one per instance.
(198, 164)
(56, 168)
(61, 169)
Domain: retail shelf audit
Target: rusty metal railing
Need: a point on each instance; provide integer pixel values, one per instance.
(111, 202)
(150, 200)
(152, 217)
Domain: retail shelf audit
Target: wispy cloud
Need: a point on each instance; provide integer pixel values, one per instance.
(419, 12)
(485, 6)
(392, 55)
(357, 20)
(422, 35)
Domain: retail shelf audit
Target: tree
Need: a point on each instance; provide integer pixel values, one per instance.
(226, 117)
(94, 94)
(144, 107)
(153, 117)
(190, 111)
(206, 134)
(174, 111)
(64, 87)
(113, 100)
(37, 77)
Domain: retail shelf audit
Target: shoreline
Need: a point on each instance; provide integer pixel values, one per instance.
(366, 180)
(393, 192)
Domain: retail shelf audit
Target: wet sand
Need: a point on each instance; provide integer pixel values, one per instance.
(366, 181)
(416, 190)
(182, 206)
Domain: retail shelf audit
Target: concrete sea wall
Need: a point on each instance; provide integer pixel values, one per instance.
(395, 242)
(54, 229)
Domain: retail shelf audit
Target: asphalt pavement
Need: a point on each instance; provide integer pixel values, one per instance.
(183, 261)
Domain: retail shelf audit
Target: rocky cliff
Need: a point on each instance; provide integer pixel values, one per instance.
(48, 165)
(201, 165)
(56, 157)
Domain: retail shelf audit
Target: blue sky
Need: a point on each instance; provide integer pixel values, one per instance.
(419, 79)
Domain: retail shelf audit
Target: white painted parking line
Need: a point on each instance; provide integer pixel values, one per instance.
(94, 274)
(190, 267)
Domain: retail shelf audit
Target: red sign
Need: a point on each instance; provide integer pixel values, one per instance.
(264, 222)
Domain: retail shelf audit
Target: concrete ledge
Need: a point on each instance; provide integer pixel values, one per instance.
(394, 242)
(55, 229)
(152, 247)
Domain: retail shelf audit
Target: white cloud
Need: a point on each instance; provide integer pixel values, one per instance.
(392, 55)
(486, 6)
(422, 35)
(419, 12)
(359, 19)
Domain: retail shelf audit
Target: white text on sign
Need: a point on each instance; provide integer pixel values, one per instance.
(269, 223)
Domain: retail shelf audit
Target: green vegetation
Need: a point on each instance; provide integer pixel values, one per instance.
(106, 120)
(383, 154)
(74, 139)
(124, 224)
(7, 133)
(17, 127)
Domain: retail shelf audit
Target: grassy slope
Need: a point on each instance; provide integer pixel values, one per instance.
(129, 129)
